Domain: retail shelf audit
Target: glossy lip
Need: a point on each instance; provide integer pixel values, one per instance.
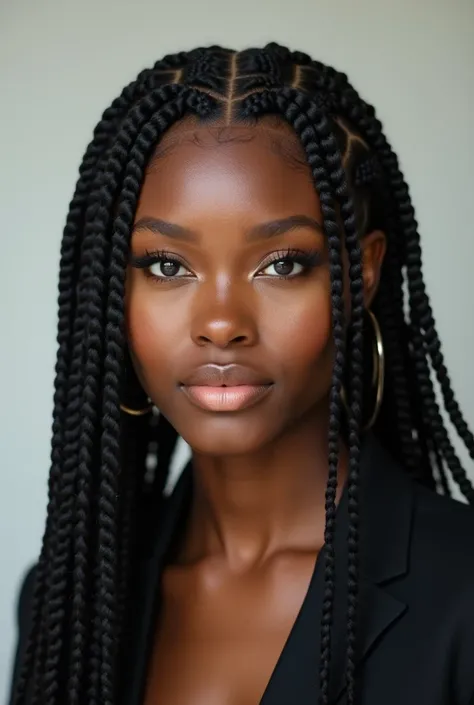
(226, 398)
(225, 387)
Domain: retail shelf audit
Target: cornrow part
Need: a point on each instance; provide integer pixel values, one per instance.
(210, 71)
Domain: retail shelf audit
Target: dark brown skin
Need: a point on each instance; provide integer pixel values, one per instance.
(256, 524)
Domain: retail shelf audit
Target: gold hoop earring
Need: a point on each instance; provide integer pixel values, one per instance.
(378, 373)
(136, 412)
(378, 376)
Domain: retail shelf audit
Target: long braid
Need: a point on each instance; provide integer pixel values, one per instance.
(68, 273)
(313, 129)
(389, 310)
(362, 117)
(55, 606)
(56, 585)
(69, 266)
(57, 611)
(116, 165)
(335, 259)
(107, 568)
(355, 339)
(307, 131)
(86, 485)
(106, 576)
(365, 121)
(338, 180)
(328, 86)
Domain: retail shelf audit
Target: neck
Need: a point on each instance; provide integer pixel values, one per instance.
(247, 508)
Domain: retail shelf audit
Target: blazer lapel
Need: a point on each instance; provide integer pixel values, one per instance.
(378, 612)
(386, 511)
(386, 501)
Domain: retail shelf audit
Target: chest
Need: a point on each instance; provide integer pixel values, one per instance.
(219, 638)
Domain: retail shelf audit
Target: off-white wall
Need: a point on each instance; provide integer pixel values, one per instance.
(62, 62)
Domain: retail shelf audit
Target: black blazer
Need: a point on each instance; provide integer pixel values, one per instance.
(416, 599)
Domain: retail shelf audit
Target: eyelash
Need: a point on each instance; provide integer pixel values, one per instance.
(309, 259)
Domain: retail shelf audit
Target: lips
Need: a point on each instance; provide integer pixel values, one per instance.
(225, 388)
(212, 375)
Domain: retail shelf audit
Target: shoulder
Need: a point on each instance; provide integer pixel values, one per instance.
(442, 576)
(438, 530)
(429, 535)
(442, 562)
(25, 599)
(23, 615)
(444, 528)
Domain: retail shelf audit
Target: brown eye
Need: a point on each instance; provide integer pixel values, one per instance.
(289, 264)
(160, 265)
(167, 268)
(283, 268)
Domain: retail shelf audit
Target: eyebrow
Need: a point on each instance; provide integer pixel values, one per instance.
(282, 226)
(163, 227)
(263, 231)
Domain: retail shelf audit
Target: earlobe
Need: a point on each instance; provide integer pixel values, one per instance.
(373, 246)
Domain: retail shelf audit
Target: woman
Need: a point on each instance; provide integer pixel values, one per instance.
(236, 255)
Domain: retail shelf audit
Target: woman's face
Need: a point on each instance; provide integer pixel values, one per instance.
(232, 287)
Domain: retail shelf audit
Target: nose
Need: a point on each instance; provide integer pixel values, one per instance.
(223, 321)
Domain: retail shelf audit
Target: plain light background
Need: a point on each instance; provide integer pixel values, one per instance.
(62, 63)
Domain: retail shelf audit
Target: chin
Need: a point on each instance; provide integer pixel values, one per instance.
(224, 438)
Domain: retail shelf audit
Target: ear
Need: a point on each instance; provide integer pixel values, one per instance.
(373, 247)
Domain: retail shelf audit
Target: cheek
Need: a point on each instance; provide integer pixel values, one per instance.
(152, 334)
(301, 332)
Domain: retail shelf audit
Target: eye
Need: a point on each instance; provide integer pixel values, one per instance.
(283, 268)
(167, 268)
(290, 264)
(161, 266)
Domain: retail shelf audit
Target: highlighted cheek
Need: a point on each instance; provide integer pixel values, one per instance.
(145, 327)
(306, 330)
(314, 338)
(157, 333)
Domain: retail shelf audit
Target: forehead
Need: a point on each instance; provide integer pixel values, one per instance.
(255, 166)
(271, 134)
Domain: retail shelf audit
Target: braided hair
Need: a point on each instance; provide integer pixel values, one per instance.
(100, 490)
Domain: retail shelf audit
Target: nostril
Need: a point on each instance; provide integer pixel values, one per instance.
(224, 334)
(238, 339)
